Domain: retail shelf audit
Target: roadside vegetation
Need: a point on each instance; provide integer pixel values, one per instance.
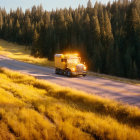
(35, 109)
(115, 78)
(22, 53)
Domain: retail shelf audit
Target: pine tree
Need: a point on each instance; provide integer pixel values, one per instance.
(10, 26)
(133, 21)
(60, 20)
(96, 28)
(102, 27)
(89, 4)
(46, 19)
(1, 20)
(69, 19)
(87, 21)
(27, 31)
(108, 28)
(17, 28)
(27, 23)
(17, 24)
(35, 45)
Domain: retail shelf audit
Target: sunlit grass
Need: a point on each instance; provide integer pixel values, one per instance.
(22, 53)
(36, 109)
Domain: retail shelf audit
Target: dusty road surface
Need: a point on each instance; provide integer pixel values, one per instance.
(126, 93)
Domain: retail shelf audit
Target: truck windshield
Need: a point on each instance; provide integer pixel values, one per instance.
(74, 60)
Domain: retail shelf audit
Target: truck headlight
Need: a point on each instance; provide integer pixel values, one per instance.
(73, 69)
(85, 68)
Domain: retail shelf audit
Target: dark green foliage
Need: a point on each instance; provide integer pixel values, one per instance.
(107, 36)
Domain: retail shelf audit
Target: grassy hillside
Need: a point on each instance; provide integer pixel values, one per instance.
(35, 109)
(20, 52)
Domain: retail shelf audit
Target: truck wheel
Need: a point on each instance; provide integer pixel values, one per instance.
(60, 72)
(69, 74)
(65, 72)
(56, 71)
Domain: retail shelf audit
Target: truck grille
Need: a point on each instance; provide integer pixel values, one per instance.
(80, 68)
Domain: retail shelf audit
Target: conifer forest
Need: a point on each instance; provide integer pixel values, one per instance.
(107, 36)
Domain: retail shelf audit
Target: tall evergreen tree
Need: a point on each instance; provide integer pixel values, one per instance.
(35, 48)
(1, 20)
(108, 28)
(107, 35)
(89, 4)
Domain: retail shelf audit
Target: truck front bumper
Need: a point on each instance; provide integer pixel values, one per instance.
(79, 73)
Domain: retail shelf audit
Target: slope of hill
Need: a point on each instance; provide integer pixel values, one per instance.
(21, 53)
(36, 109)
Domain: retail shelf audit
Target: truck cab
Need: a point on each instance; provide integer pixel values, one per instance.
(69, 64)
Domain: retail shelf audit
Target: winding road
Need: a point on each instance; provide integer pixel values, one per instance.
(106, 88)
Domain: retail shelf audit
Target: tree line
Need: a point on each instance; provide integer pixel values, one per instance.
(108, 36)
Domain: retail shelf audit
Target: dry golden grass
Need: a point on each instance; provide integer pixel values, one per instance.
(20, 52)
(36, 109)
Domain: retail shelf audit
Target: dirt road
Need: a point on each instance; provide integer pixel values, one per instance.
(123, 92)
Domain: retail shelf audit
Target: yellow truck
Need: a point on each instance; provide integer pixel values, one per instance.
(69, 65)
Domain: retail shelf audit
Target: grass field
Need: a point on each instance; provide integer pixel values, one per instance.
(35, 109)
(19, 52)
